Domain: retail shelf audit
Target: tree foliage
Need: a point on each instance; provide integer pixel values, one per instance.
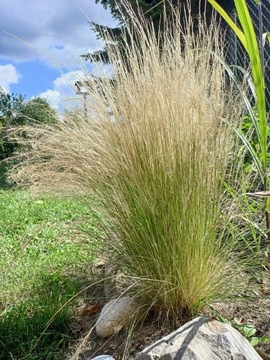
(16, 111)
(152, 9)
(37, 110)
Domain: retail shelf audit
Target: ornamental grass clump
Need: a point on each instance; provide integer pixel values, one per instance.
(154, 149)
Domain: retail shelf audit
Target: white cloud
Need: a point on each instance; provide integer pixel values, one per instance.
(53, 97)
(8, 76)
(63, 94)
(55, 32)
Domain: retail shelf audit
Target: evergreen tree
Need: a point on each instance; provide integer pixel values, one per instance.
(152, 9)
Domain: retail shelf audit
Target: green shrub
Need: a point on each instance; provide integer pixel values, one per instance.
(15, 111)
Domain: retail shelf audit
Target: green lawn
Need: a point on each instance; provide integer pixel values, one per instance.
(47, 247)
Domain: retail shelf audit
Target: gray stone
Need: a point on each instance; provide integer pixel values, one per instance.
(201, 339)
(102, 357)
(114, 315)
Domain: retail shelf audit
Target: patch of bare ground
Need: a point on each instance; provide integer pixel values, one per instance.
(252, 307)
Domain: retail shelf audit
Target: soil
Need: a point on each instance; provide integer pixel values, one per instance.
(252, 308)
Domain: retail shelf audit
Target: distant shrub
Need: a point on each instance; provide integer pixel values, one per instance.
(16, 111)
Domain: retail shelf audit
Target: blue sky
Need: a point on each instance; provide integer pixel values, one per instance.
(41, 43)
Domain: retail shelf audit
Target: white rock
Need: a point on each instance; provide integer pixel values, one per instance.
(201, 339)
(114, 315)
(102, 357)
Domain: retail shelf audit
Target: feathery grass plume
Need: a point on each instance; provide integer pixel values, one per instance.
(155, 149)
